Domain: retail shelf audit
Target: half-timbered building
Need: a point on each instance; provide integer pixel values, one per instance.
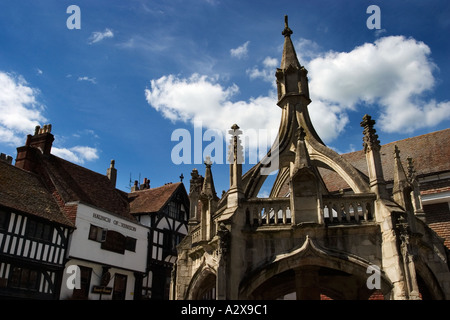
(34, 234)
(121, 245)
(108, 247)
(164, 210)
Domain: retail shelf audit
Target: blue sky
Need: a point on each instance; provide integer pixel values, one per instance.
(136, 71)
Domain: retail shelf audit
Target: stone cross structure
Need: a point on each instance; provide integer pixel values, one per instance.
(304, 239)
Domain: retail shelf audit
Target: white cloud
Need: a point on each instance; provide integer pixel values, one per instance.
(201, 100)
(241, 51)
(151, 43)
(77, 154)
(328, 119)
(408, 116)
(394, 72)
(306, 50)
(270, 62)
(98, 36)
(267, 71)
(20, 112)
(379, 32)
(85, 78)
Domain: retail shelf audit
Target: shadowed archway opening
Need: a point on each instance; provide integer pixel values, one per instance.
(205, 288)
(328, 284)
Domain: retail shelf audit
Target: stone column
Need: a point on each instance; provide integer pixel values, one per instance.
(194, 194)
(224, 243)
(235, 157)
(415, 194)
(372, 150)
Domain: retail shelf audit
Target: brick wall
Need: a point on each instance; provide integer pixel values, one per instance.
(435, 186)
(438, 218)
(71, 212)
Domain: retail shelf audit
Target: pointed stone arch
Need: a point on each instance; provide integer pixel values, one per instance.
(321, 156)
(429, 286)
(326, 157)
(310, 255)
(203, 280)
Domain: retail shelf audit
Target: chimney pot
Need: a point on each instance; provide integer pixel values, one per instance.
(41, 141)
(111, 173)
(135, 187)
(6, 158)
(146, 184)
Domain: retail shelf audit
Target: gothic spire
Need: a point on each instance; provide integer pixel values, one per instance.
(400, 180)
(208, 188)
(289, 56)
(291, 76)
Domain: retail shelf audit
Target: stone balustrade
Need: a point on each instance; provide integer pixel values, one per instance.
(262, 211)
(335, 209)
(348, 208)
(196, 235)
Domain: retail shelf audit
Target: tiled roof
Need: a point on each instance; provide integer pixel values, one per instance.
(152, 200)
(25, 192)
(430, 153)
(76, 183)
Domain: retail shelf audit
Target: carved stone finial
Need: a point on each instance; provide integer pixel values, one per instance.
(370, 137)
(301, 134)
(208, 161)
(195, 182)
(235, 130)
(410, 168)
(302, 159)
(396, 152)
(287, 31)
(235, 149)
(224, 237)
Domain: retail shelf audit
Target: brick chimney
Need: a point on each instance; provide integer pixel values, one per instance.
(6, 158)
(135, 187)
(40, 142)
(146, 184)
(111, 173)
